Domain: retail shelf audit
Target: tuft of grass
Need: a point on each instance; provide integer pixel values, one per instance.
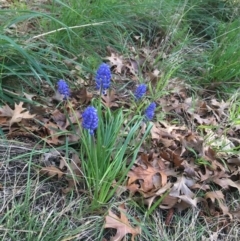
(234, 110)
(224, 58)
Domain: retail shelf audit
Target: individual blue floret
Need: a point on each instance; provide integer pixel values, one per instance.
(140, 91)
(103, 77)
(90, 119)
(63, 88)
(149, 112)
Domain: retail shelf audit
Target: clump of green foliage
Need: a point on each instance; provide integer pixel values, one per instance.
(224, 57)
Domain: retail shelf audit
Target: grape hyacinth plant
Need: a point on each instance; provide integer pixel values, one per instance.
(103, 78)
(63, 88)
(149, 112)
(90, 119)
(140, 91)
(105, 158)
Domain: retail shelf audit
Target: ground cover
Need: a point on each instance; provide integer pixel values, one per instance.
(119, 121)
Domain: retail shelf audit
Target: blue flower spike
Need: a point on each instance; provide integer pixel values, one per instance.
(90, 119)
(63, 88)
(140, 91)
(149, 112)
(103, 77)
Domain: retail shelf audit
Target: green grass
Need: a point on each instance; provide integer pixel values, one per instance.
(212, 42)
(224, 58)
(199, 43)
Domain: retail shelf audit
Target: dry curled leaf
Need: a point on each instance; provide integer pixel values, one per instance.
(51, 171)
(52, 132)
(181, 190)
(121, 224)
(6, 111)
(219, 197)
(147, 175)
(117, 61)
(17, 114)
(109, 100)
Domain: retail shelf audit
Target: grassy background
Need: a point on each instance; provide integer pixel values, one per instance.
(60, 35)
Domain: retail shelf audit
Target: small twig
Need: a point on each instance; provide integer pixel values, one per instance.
(169, 216)
(12, 144)
(65, 28)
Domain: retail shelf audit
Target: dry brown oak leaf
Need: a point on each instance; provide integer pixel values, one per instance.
(109, 100)
(51, 171)
(121, 224)
(151, 178)
(17, 114)
(117, 61)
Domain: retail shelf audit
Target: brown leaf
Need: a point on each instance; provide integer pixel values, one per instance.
(203, 187)
(168, 202)
(161, 134)
(20, 113)
(109, 99)
(74, 118)
(186, 202)
(17, 114)
(6, 111)
(121, 224)
(191, 141)
(172, 156)
(51, 171)
(116, 61)
(154, 76)
(189, 168)
(119, 189)
(221, 106)
(204, 121)
(70, 187)
(205, 174)
(59, 118)
(147, 174)
(219, 197)
(182, 191)
(3, 121)
(181, 187)
(150, 197)
(82, 95)
(73, 172)
(202, 108)
(52, 130)
(73, 137)
(226, 182)
(132, 66)
(133, 188)
(75, 166)
(234, 160)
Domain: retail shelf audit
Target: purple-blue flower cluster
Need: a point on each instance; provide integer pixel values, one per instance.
(103, 77)
(63, 88)
(90, 119)
(149, 112)
(140, 91)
